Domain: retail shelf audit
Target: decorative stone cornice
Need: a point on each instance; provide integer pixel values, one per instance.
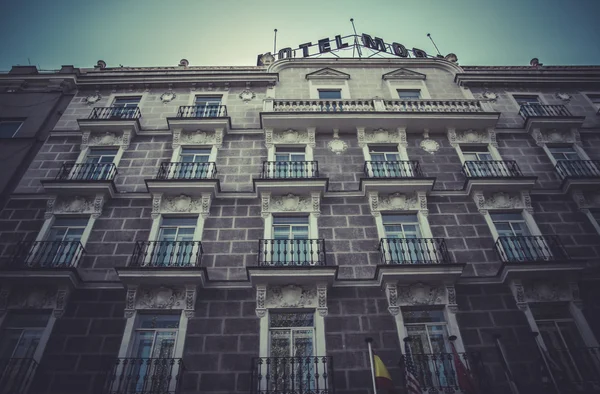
(398, 202)
(381, 136)
(199, 137)
(40, 298)
(290, 136)
(543, 137)
(290, 203)
(471, 137)
(66, 205)
(165, 204)
(501, 200)
(547, 290)
(121, 139)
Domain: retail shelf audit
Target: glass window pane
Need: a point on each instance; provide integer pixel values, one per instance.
(389, 219)
(210, 100)
(126, 101)
(70, 222)
(330, 94)
(8, 129)
(423, 316)
(26, 320)
(545, 311)
(198, 151)
(526, 99)
(504, 217)
(278, 319)
(158, 321)
(283, 149)
(290, 220)
(384, 149)
(175, 221)
(409, 94)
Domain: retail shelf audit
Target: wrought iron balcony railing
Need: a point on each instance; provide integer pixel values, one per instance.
(392, 169)
(298, 375)
(427, 105)
(492, 169)
(578, 168)
(145, 376)
(289, 169)
(323, 106)
(87, 172)
(202, 111)
(47, 254)
(16, 374)
(414, 251)
(291, 252)
(163, 254)
(531, 248)
(438, 372)
(115, 113)
(541, 110)
(187, 170)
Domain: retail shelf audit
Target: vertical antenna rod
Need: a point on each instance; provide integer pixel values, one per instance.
(275, 43)
(436, 48)
(356, 45)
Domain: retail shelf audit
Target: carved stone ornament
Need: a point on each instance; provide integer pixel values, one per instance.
(555, 136)
(381, 136)
(38, 298)
(490, 96)
(322, 299)
(197, 138)
(542, 291)
(586, 199)
(167, 97)
(93, 98)
(290, 203)
(391, 291)
(563, 96)
(502, 200)
(420, 294)
(75, 205)
(247, 95)
(290, 137)
(261, 294)
(104, 139)
(398, 201)
(337, 146)
(161, 298)
(519, 295)
(430, 146)
(291, 296)
(180, 204)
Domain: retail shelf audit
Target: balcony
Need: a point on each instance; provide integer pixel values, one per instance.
(394, 177)
(534, 254)
(579, 174)
(210, 117)
(283, 177)
(410, 259)
(39, 261)
(438, 372)
(107, 119)
(496, 175)
(16, 374)
(162, 262)
(279, 260)
(185, 177)
(348, 114)
(83, 179)
(298, 375)
(145, 376)
(541, 116)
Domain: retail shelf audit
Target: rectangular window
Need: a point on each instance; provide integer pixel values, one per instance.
(9, 128)
(526, 99)
(510, 224)
(290, 227)
(291, 163)
(127, 102)
(175, 246)
(409, 94)
(21, 334)
(207, 106)
(401, 226)
(385, 163)
(194, 164)
(563, 153)
(291, 244)
(330, 94)
(476, 153)
(67, 229)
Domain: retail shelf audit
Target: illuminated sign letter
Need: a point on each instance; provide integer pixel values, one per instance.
(419, 52)
(305, 48)
(376, 44)
(339, 43)
(324, 45)
(399, 50)
(284, 53)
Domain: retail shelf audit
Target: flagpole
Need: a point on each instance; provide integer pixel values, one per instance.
(542, 353)
(511, 382)
(369, 340)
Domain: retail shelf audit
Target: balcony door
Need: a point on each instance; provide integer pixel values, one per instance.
(62, 245)
(430, 347)
(291, 240)
(473, 155)
(385, 163)
(175, 245)
(404, 239)
(291, 163)
(569, 163)
(330, 94)
(194, 163)
(152, 367)
(98, 164)
(125, 107)
(21, 335)
(207, 106)
(291, 349)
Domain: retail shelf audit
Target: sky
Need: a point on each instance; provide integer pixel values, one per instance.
(51, 33)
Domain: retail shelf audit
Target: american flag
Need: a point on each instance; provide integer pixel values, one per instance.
(412, 383)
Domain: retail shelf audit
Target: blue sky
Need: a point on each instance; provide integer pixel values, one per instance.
(232, 32)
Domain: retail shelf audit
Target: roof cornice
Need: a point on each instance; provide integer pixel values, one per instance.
(517, 75)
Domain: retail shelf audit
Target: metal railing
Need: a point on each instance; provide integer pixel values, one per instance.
(16, 374)
(47, 254)
(289, 169)
(297, 375)
(492, 169)
(114, 113)
(578, 168)
(542, 110)
(87, 172)
(427, 105)
(438, 372)
(161, 254)
(187, 170)
(338, 105)
(291, 252)
(202, 111)
(531, 248)
(414, 251)
(145, 376)
(392, 169)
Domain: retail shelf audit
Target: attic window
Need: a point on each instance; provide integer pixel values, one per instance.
(330, 94)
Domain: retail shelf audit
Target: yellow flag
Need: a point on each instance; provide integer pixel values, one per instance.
(382, 376)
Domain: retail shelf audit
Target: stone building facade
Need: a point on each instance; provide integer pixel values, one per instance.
(245, 229)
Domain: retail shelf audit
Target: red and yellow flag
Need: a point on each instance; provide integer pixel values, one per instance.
(382, 376)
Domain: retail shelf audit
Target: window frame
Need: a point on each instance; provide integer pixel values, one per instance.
(20, 121)
(399, 91)
(49, 222)
(124, 97)
(319, 91)
(576, 147)
(394, 85)
(213, 93)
